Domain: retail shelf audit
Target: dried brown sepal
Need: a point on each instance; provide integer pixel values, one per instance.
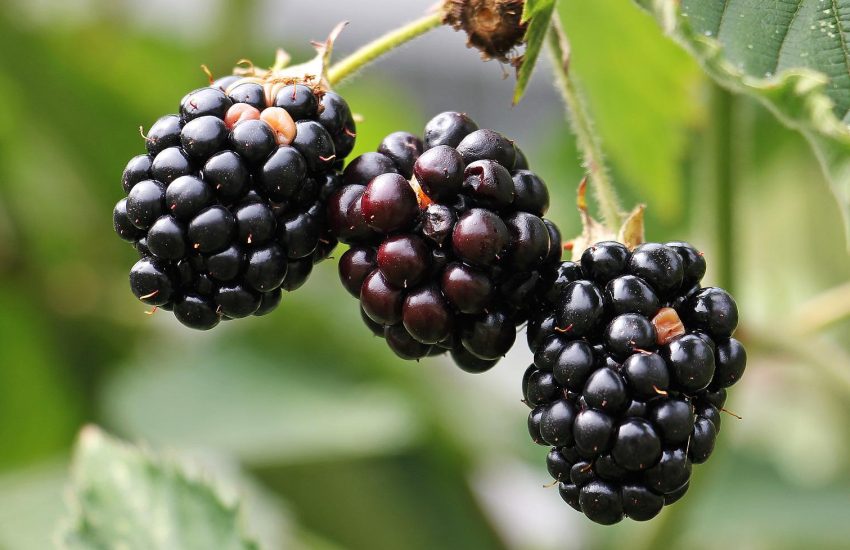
(494, 27)
(594, 231)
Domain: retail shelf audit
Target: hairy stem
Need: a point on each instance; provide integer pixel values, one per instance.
(582, 126)
(390, 41)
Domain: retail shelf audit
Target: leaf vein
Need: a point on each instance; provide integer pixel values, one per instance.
(723, 13)
(843, 42)
(785, 37)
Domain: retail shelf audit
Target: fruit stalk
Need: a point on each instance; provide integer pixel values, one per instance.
(582, 125)
(382, 45)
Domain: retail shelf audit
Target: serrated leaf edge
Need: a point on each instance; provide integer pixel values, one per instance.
(90, 437)
(812, 113)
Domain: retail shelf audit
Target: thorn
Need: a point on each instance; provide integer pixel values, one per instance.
(149, 295)
(566, 329)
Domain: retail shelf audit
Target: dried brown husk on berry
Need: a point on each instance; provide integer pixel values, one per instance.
(312, 74)
(630, 233)
(494, 27)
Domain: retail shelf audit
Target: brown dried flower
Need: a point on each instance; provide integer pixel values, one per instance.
(492, 26)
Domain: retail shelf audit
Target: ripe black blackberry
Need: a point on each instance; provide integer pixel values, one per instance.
(632, 359)
(227, 207)
(448, 242)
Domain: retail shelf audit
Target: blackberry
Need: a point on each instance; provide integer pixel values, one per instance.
(631, 364)
(448, 243)
(227, 206)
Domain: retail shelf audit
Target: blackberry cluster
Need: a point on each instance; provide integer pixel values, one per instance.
(632, 359)
(227, 207)
(448, 241)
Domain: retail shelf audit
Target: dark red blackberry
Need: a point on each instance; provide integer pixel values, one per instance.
(448, 243)
(227, 208)
(631, 362)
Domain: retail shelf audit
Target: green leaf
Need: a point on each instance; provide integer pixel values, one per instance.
(644, 110)
(124, 497)
(794, 58)
(31, 504)
(261, 411)
(538, 14)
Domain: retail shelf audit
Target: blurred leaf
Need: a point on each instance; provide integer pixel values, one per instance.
(641, 91)
(38, 409)
(539, 13)
(778, 514)
(126, 498)
(259, 411)
(378, 117)
(416, 500)
(31, 505)
(793, 58)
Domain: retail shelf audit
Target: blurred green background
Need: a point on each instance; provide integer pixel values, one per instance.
(334, 441)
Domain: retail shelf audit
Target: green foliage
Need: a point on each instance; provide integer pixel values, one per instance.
(240, 411)
(538, 14)
(642, 93)
(125, 498)
(350, 447)
(793, 58)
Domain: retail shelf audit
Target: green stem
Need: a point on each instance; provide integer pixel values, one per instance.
(824, 310)
(829, 356)
(382, 45)
(582, 126)
(721, 143)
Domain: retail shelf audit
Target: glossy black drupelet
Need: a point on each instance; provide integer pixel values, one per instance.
(448, 243)
(227, 208)
(631, 364)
